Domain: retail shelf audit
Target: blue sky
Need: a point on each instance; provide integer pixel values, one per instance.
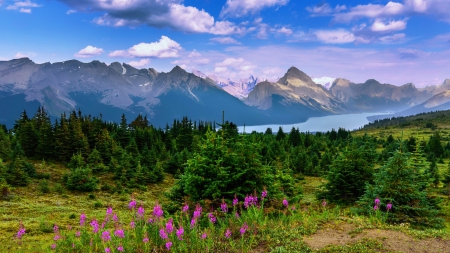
(394, 42)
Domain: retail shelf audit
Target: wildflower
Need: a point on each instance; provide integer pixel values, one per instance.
(55, 229)
(115, 218)
(145, 240)
(56, 237)
(223, 206)
(106, 236)
(53, 246)
(120, 248)
(141, 211)
(324, 203)
(180, 233)
(109, 211)
(377, 201)
(235, 200)
(375, 207)
(247, 201)
(103, 225)
(21, 231)
(264, 193)
(389, 206)
(204, 236)
(132, 224)
(107, 250)
(150, 220)
(285, 203)
(94, 225)
(169, 226)
(197, 211)
(73, 245)
(237, 215)
(82, 219)
(132, 204)
(158, 211)
(119, 233)
(193, 221)
(254, 200)
(78, 233)
(243, 229)
(212, 218)
(228, 233)
(185, 208)
(163, 234)
(168, 245)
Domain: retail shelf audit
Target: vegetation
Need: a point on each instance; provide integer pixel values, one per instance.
(393, 177)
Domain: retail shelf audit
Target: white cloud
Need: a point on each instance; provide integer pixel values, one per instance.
(155, 13)
(139, 64)
(235, 67)
(393, 39)
(371, 11)
(164, 48)
(89, 52)
(240, 8)
(285, 31)
(220, 69)
(70, 12)
(339, 36)
(22, 6)
(381, 26)
(409, 53)
(225, 40)
(24, 55)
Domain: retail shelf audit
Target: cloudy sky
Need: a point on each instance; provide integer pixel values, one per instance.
(395, 42)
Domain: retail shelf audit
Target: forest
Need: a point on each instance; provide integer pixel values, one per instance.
(390, 177)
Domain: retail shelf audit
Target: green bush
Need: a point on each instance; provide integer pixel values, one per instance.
(80, 179)
(43, 186)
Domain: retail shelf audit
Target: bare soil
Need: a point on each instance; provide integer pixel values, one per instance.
(345, 233)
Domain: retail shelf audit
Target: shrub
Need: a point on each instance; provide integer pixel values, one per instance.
(43, 186)
(80, 179)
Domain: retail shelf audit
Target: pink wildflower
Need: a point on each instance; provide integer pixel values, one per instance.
(212, 218)
(169, 226)
(141, 211)
(168, 245)
(94, 225)
(107, 250)
(389, 206)
(158, 211)
(82, 219)
(78, 233)
(235, 200)
(285, 203)
(106, 236)
(180, 233)
(119, 233)
(204, 236)
(132, 204)
(120, 248)
(53, 246)
(163, 234)
(185, 208)
(228, 233)
(223, 206)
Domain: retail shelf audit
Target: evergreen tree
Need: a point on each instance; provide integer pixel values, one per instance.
(280, 134)
(433, 172)
(404, 186)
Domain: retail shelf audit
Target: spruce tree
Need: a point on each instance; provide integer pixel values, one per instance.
(406, 188)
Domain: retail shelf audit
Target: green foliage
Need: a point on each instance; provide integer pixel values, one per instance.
(43, 186)
(407, 189)
(19, 172)
(348, 176)
(77, 161)
(80, 179)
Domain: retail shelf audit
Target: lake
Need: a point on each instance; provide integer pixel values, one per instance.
(319, 124)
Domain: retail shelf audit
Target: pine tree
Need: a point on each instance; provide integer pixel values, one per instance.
(406, 188)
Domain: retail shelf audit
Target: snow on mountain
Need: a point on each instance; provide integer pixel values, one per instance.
(325, 81)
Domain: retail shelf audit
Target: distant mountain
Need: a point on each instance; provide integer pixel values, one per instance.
(239, 88)
(325, 81)
(295, 93)
(373, 96)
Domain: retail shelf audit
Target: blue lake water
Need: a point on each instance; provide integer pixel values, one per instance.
(319, 124)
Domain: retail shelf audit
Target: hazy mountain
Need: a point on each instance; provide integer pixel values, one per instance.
(375, 96)
(325, 81)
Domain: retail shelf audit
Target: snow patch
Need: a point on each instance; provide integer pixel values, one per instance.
(325, 81)
(189, 89)
(124, 70)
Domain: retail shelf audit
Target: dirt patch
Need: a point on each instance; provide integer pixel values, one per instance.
(345, 233)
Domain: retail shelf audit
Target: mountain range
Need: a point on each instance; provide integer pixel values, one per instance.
(111, 90)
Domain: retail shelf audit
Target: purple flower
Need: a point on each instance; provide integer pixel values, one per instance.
(56, 237)
(197, 211)
(107, 250)
(106, 236)
(115, 218)
(120, 248)
(94, 225)
(21, 232)
(55, 229)
(237, 215)
(285, 203)
(185, 208)
(228, 233)
(377, 201)
(158, 211)
(169, 226)
(141, 211)
(163, 234)
(180, 233)
(145, 240)
(78, 234)
(375, 207)
(224, 207)
(389, 206)
(109, 211)
(324, 203)
(247, 201)
(212, 218)
(193, 221)
(235, 200)
(53, 246)
(204, 236)
(82, 219)
(168, 245)
(264, 193)
(243, 229)
(132, 224)
(132, 204)
(119, 233)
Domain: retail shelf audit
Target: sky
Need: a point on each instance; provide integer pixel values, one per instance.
(396, 42)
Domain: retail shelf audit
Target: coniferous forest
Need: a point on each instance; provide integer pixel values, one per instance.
(393, 176)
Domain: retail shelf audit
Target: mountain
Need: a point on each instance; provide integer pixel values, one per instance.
(115, 89)
(296, 94)
(239, 88)
(325, 81)
(373, 96)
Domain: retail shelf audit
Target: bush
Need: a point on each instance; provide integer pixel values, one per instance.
(91, 196)
(98, 204)
(58, 188)
(80, 179)
(43, 186)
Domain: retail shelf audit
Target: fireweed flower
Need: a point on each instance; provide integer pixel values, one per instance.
(237, 215)
(55, 229)
(264, 193)
(212, 218)
(82, 219)
(235, 200)
(158, 211)
(145, 240)
(223, 206)
(375, 207)
(163, 234)
(193, 221)
(141, 211)
(132, 224)
(119, 233)
(115, 218)
(204, 236)
(106, 236)
(107, 250)
(389, 206)
(94, 225)
(180, 233)
(243, 229)
(21, 231)
(324, 203)
(185, 208)
(120, 248)
(56, 237)
(197, 211)
(169, 226)
(168, 245)
(53, 246)
(78, 234)
(150, 220)
(228, 233)
(285, 203)
(109, 211)
(246, 201)
(377, 201)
